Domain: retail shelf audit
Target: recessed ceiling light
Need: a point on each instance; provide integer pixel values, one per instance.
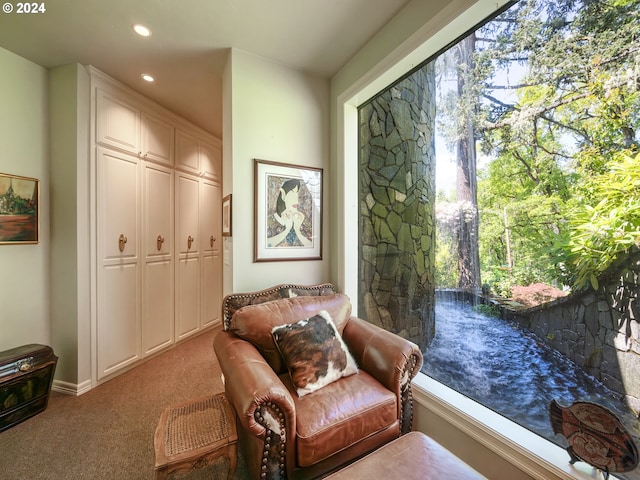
(146, 77)
(142, 30)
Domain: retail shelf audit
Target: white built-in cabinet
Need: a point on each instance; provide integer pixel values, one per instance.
(189, 255)
(157, 273)
(157, 229)
(119, 275)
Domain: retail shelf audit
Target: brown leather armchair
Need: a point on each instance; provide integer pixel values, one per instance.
(285, 436)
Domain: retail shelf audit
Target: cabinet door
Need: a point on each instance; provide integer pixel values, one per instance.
(188, 262)
(187, 213)
(157, 322)
(118, 205)
(188, 296)
(210, 232)
(117, 122)
(187, 153)
(211, 161)
(210, 226)
(118, 288)
(158, 211)
(157, 283)
(157, 139)
(211, 289)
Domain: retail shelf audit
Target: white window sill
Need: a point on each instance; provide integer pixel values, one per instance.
(530, 453)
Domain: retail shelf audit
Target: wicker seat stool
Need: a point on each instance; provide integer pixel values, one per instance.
(193, 435)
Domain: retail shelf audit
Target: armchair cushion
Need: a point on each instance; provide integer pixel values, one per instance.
(255, 322)
(341, 415)
(313, 352)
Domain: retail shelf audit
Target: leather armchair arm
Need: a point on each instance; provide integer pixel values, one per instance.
(382, 354)
(255, 391)
(391, 359)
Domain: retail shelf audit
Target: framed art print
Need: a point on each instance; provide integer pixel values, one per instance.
(19, 202)
(288, 212)
(226, 216)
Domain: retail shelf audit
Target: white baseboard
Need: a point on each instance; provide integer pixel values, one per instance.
(71, 388)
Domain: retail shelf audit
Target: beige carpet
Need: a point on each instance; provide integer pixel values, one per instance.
(107, 433)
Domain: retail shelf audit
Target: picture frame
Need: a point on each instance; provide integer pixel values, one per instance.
(226, 216)
(19, 209)
(288, 212)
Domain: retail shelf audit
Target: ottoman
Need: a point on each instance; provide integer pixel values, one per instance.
(194, 435)
(413, 456)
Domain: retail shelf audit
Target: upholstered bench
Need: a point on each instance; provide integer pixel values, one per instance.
(413, 456)
(193, 436)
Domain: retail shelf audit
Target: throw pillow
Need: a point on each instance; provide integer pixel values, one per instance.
(255, 322)
(314, 352)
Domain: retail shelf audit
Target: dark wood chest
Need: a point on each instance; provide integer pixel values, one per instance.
(26, 375)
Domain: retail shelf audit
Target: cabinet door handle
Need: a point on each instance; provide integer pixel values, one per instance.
(211, 240)
(190, 240)
(159, 242)
(122, 240)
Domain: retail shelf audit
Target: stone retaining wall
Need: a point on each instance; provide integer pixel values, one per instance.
(599, 331)
(396, 205)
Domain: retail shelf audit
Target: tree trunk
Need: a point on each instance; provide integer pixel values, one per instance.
(466, 180)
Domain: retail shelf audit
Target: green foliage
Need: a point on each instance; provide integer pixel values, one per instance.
(559, 192)
(601, 231)
(446, 273)
(448, 215)
(488, 310)
(499, 280)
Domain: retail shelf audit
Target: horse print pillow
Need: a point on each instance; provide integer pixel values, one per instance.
(314, 352)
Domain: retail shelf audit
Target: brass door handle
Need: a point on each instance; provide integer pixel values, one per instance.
(159, 242)
(190, 240)
(122, 240)
(211, 240)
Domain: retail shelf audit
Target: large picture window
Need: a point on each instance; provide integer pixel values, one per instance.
(500, 211)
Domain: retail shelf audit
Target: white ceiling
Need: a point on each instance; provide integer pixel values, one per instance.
(188, 48)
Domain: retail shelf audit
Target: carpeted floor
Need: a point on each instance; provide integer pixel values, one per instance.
(107, 433)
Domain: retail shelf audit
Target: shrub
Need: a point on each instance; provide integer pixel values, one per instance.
(601, 232)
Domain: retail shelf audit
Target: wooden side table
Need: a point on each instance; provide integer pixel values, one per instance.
(194, 434)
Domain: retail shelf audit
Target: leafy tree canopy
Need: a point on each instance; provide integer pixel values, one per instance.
(557, 111)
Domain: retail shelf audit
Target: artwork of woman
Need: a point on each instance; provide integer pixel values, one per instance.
(289, 227)
(288, 212)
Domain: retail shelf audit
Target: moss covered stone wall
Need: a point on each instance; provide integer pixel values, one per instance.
(396, 200)
(598, 330)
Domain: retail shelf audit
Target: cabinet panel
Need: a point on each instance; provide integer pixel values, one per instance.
(211, 161)
(211, 289)
(158, 211)
(157, 305)
(210, 223)
(117, 122)
(118, 282)
(118, 199)
(158, 279)
(187, 211)
(157, 139)
(188, 296)
(118, 319)
(187, 152)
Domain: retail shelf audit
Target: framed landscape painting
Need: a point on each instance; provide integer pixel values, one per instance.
(288, 212)
(19, 203)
